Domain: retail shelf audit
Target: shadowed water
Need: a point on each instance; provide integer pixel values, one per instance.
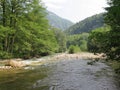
(61, 75)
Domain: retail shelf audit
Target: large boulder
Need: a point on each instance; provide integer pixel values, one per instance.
(14, 63)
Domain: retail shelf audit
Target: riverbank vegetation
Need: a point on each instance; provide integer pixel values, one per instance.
(24, 30)
(77, 42)
(104, 39)
(107, 39)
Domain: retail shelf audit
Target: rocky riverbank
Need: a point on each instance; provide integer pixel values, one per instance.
(19, 63)
(84, 55)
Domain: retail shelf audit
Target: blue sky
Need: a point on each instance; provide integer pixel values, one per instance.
(75, 10)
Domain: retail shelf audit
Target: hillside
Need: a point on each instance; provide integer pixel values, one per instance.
(58, 22)
(87, 24)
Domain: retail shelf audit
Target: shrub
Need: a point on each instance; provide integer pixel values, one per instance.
(73, 49)
(83, 45)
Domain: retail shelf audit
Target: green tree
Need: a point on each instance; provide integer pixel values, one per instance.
(24, 29)
(11, 11)
(61, 39)
(98, 39)
(112, 19)
(79, 40)
(74, 49)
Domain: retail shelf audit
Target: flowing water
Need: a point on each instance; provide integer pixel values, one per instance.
(61, 75)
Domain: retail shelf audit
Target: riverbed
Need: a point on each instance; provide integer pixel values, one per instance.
(72, 74)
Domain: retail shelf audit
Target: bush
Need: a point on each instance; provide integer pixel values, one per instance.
(73, 49)
(83, 45)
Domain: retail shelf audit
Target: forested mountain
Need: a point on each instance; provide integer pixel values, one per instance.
(58, 22)
(87, 24)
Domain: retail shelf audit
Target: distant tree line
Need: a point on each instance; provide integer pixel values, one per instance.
(77, 42)
(86, 25)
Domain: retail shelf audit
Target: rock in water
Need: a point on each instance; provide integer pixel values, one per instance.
(16, 64)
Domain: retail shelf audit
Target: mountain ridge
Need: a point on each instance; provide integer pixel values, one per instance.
(58, 22)
(86, 25)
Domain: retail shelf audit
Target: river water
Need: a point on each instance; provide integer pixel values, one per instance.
(61, 75)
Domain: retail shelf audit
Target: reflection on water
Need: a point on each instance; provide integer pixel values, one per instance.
(21, 79)
(61, 75)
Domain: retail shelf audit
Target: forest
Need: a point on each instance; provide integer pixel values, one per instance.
(103, 35)
(107, 38)
(104, 31)
(26, 31)
(86, 25)
(39, 50)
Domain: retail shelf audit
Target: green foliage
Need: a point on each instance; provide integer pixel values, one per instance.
(73, 49)
(79, 40)
(24, 29)
(86, 25)
(112, 19)
(61, 39)
(83, 45)
(106, 39)
(5, 55)
(97, 40)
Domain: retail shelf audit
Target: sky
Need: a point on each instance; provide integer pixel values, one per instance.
(75, 10)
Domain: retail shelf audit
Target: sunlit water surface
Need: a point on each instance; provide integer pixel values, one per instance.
(61, 75)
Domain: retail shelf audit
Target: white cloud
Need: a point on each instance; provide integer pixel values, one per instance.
(54, 1)
(49, 5)
(54, 4)
(75, 10)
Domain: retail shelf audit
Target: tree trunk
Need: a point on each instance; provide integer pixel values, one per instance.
(4, 13)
